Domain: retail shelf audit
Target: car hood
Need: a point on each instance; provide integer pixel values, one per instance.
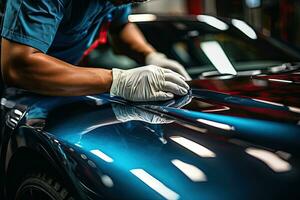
(234, 138)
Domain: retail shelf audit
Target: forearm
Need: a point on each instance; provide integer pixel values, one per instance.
(131, 42)
(63, 79)
(46, 75)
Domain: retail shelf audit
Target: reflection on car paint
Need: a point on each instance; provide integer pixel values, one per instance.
(113, 147)
(194, 147)
(271, 159)
(102, 155)
(191, 171)
(155, 184)
(216, 124)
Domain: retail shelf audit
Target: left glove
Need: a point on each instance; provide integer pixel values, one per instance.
(161, 60)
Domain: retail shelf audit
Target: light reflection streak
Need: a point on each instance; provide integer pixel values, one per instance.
(142, 17)
(294, 109)
(98, 101)
(13, 121)
(279, 68)
(213, 21)
(225, 77)
(280, 80)
(18, 112)
(276, 163)
(7, 103)
(83, 156)
(216, 124)
(245, 28)
(269, 102)
(155, 184)
(78, 145)
(102, 155)
(191, 171)
(216, 110)
(107, 181)
(250, 73)
(94, 127)
(3, 101)
(194, 147)
(217, 56)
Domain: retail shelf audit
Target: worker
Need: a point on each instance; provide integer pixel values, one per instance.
(43, 42)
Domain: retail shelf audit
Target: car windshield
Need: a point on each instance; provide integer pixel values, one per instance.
(208, 52)
(235, 49)
(203, 47)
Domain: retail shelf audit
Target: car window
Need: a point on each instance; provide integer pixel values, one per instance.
(198, 51)
(199, 47)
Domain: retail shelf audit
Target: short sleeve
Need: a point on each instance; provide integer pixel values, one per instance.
(120, 16)
(33, 22)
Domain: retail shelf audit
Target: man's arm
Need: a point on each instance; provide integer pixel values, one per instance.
(25, 67)
(130, 41)
(28, 68)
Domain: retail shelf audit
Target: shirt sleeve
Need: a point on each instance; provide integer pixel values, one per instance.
(120, 16)
(33, 22)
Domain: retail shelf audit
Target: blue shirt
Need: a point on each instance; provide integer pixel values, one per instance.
(63, 29)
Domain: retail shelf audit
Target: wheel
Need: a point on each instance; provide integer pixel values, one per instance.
(40, 186)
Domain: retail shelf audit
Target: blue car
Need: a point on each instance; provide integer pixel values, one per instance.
(231, 137)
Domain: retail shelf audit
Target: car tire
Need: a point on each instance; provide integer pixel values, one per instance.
(41, 186)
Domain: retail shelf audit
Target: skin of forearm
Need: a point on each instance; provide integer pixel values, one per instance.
(131, 42)
(46, 75)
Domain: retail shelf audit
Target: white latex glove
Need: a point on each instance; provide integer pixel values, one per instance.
(161, 60)
(149, 83)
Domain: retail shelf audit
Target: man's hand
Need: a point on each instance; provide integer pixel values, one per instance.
(161, 60)
(149, 83)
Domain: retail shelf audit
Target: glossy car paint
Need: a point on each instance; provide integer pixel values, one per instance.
(236, 138)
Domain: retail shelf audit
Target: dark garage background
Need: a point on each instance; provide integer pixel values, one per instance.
(276, 18)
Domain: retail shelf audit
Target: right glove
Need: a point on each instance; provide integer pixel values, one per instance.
(149, 83)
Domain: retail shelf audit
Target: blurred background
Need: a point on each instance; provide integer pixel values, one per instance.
(276, 18)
